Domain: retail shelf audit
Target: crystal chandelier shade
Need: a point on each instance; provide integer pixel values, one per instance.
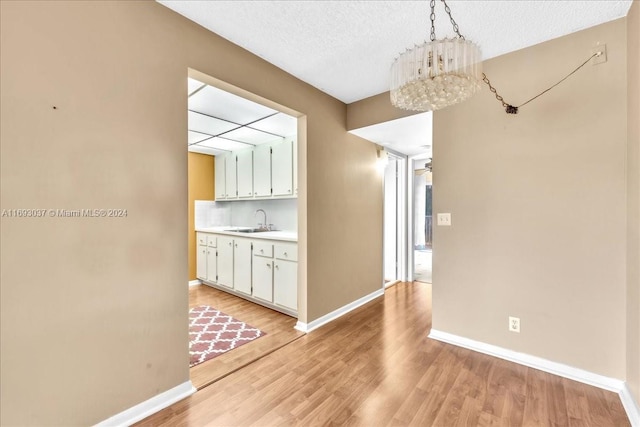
(420, 83)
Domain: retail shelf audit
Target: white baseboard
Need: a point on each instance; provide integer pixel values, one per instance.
(630, 406)
(562, 370)
(150, 406)
(308, 327)
(195, 282)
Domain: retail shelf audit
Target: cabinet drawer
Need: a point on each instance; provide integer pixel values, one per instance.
(288, 251)
(212, 240)
(201, 239)
(263, 248)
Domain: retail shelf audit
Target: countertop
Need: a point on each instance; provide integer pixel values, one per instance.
(284, 235)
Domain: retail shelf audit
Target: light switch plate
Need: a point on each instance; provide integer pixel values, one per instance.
(444, 219)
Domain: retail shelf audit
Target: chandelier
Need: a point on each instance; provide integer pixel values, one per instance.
(437, 73)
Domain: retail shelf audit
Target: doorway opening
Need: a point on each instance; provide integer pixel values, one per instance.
(243, 226)
(422, 220)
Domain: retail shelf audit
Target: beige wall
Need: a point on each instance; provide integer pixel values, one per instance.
(94, 311)
(541, 234)
(373, 110)
(201, 177)
(633, 199)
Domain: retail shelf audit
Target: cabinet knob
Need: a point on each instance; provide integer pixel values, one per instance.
(269, 265)
(285, 254)
(229, 243)
(262, 250)
(277, 268)
(236, 245)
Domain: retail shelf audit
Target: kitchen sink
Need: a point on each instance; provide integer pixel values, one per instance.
(251, 230)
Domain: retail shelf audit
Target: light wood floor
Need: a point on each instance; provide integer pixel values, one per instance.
(278, 327)
(375, 366)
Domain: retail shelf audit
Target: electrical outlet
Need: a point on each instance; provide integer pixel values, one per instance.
(444, 219)
(514, 324)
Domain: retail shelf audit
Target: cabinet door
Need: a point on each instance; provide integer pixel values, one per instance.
(282, 168)
(262, 171)
(242, 266)
(245, 173)
(263, 278)
(225, 261)
(231, 182)
(285, 284)
(201, 262)
(220, 180)
(212, 264)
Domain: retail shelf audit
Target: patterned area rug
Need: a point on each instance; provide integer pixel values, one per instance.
(212, 333)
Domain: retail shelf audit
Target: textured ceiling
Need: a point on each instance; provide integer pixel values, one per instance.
(345, 48)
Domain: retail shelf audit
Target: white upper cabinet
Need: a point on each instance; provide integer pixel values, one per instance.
(220, 191)
(282, 168)
(231, 183)
(262, 171)
(245, 174)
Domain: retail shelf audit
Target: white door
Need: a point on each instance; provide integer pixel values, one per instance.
(245, 173)
(262, 171)
(391, 221)
(282, 168)
(225, 261)
(242, 266)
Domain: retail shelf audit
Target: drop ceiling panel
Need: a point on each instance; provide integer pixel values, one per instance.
(224, 105)
(222, 144)
(251, 136)
(193, 85)
(206, 150)
(197, 137)
(280, 124)
(210, 125)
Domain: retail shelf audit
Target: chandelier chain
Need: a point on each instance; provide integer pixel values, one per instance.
(433, 20)
(510, 109)
(493, 90)
(456, 29)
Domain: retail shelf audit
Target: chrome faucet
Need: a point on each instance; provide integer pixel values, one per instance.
(263, 224)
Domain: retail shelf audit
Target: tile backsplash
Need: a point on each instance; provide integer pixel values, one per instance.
(283, 214)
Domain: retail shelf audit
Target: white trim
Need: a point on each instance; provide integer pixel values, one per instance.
(391, 283)
(630, 406)
(308, 327)
(150, 406)
(195, 282)
(545, 365)
(555, 368)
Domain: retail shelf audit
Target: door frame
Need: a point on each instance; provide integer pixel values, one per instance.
(401, 215)
(410, 219)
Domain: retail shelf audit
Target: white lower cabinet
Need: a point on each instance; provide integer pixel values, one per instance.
(242, 265)
(261, 270)
(201, 262)
(285, 275)
(263, 278)
(225, 261)
(285, 284)
(206, 265)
